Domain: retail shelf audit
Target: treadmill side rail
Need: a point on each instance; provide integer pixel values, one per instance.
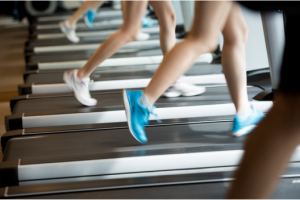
(9, 173)
(14, 122)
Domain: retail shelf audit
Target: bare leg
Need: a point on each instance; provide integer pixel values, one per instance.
(83, 9)
(210, 17)
(134, 11)
(268, 150)
(233, 58)
(167, 23)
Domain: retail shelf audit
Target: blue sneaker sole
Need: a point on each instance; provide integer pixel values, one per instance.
(87, 23)
(244, 131)
(128, 114)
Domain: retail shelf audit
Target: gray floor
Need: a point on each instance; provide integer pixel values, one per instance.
(12, 64)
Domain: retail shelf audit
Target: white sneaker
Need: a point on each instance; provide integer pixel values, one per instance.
(184, 89)
(69, 31)
(142, 36)
(80, 87)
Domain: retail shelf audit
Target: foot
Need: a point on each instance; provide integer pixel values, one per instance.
(69, 31)
(80, 87)
(142, 36)
(89, 17)
(137, 115)
(241, 128)
(147, 22)
(184, 89)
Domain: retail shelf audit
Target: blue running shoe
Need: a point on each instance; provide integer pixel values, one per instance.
(241, 128)
(89, 17)
(137, 115)
(147, 22)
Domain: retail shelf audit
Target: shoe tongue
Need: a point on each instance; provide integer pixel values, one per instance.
(69, 25)
(84, 80)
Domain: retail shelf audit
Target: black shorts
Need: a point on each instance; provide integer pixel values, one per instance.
(290, 68)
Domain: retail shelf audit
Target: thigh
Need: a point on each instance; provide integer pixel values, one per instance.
(209, 18)
(133, 12)
(163, 10)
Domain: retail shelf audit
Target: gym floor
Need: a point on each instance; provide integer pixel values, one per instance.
(12, 64)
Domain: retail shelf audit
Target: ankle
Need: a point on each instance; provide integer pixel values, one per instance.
(242, 107)
(81, 75)
(149, 97)
(71, 23)
(143, 100)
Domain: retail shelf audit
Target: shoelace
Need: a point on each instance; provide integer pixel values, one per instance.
(154, 114)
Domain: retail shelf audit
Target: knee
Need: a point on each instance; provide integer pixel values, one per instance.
(203, 44)
(237, 37)
(168, 23)
(129, 34)
(173, 20)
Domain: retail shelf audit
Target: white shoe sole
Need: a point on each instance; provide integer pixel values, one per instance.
(127, 112)
(178, 94)
(243, 131)
(147, 36)
(189, 94)
(78, 97)
(172, 94)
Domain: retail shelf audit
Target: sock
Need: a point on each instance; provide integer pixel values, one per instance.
(245, 114)
(145, 102)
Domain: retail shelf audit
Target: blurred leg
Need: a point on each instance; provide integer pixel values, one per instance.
(269, 147)
(132, 16)
(167, 23)
(268, 150)
(87, 5)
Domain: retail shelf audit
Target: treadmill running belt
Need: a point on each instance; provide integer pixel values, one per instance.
(58, 46)
(85, 55)
(98, 19)
(80, 26)
(119, 143)
(121, 73)
(213, 95)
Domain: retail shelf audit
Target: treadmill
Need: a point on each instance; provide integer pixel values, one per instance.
(102, 14)
(259, 80)
(59, 46)
(115, 61)
(98, 24)
(28, 166)
(66, 110)
(201, 184)
(150, 48)
(88, 33)
(98, 157)
(111, 78)
(211, 183)
(63, 45)
(80, 154)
